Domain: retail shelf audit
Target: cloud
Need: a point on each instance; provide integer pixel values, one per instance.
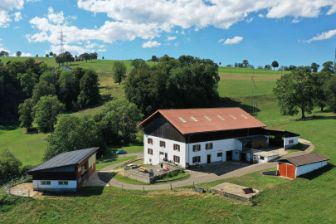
(323, 36)
(7, 6)
(151, 44)
(17, 16)
(55, 17)
(231, 41)
(147, 20)
(171, 38)
(199, 14)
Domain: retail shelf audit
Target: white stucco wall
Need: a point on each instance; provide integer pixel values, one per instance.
(155, 158)
(186, 153)
(218, 146)
(54, 186)
(300, 170)
(287, 143)
(266, 159)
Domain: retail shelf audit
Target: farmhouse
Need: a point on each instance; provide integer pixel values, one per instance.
(65, 172)
(199, 136)
(300, 165)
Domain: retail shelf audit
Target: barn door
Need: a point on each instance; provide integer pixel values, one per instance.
(290, 171)
(287, 170)
(282, 170)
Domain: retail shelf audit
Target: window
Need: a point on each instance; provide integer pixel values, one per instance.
(64, 182)
(176, 159)
(208, 146)
(45, 182)
(162, 144)
(220, 154)
(291, 141)
(196, 159)
(161, 153)
(176, 147)
(262, 158)
(150, 141)
(196, 148)
(150, 151)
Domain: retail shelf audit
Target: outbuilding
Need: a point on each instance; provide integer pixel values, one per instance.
(65, 172)
(299, 165)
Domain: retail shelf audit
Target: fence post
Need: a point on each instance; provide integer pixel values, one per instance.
(143, 188)
(171, 187)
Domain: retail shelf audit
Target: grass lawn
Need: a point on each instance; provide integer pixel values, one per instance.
(112, 161)
(127, 180)
(180, 176)
(256, 180)
(28, 148)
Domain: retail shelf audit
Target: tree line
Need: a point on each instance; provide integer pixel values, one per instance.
(67, 57)
(35, 93)
(302, 90)
(56, 91)
(115, 124)
(172, 83)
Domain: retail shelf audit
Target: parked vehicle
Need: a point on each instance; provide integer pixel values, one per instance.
(120, 152)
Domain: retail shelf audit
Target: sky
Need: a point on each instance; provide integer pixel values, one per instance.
(290, 31)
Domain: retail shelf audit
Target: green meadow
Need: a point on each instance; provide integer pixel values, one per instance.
(304, 200)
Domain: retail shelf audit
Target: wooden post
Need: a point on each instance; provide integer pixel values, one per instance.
(171, 187)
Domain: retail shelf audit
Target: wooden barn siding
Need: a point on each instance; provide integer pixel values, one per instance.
(54, 176)
(160, 127)
(212, 136)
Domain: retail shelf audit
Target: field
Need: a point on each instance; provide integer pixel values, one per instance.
(305, 200)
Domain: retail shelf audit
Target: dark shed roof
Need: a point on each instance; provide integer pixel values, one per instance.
(305, 159)
(65, 159)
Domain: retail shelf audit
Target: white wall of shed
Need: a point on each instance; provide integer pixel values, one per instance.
(300, 170)
(54, 186)
(287, 140)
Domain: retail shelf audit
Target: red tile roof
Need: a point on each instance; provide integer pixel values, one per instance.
(189, 121)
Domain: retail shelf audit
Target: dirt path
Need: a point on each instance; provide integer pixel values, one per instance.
(231, 169)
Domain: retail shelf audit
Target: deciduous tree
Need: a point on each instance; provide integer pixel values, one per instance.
(46, 111)
(119, 71)
(294, 93)
(26, 114)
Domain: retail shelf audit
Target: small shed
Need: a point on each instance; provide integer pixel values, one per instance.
(65, 172)
(299, 165)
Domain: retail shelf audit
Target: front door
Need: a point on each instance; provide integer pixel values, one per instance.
(209, 158)
(228, 155)
(166, 157)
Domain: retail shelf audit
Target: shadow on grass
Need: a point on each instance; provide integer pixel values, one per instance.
(83, 192)
(317, 117)
(9, 127)
(106, 177)
(228, 102)
(270, 173)
(319, 172)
